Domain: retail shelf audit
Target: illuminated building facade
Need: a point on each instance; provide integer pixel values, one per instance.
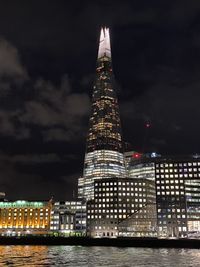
(141, 165)
(115, 201)
(177, 181)
(178, 196)
(104, 153)
(80, 187)
(142, 223)
(171, 200)
(68, 218)
(192, 191)
(24, 218)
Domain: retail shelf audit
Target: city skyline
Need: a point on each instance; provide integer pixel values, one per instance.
(46, 77)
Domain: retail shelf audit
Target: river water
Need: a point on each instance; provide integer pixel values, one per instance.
(76, 256)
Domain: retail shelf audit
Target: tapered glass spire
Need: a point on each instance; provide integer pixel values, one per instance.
(104, 151)
(104, 43)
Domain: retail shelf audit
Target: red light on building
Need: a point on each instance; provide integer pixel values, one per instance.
(147, 125)
(137, 155)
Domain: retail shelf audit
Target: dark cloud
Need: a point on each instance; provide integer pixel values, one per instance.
(22, 172)
(10, 64)
(56, 110)
(55, 113)
(34, 158)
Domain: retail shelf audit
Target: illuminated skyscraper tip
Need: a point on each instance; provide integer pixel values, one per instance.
(104, 43)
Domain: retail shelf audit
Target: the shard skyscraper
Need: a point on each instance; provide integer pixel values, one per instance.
(104, 149)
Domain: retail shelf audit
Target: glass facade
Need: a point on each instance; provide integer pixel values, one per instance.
(104, 153)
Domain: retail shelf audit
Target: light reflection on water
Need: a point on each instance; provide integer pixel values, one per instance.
(75, 256)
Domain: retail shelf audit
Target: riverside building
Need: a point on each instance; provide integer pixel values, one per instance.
(177, 182)
(25, 217)
(178, 196)
(116, 200)
(104, 156)
(68, 218)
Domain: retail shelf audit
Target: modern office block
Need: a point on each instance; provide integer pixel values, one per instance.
(171, 200)
(142, 223)
(115, 201)
(177, 180)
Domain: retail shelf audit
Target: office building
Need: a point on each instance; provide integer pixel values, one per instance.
(177, 180)
(140, 165)
(178, 196)
(171, 200)
(68, 218)
(116, 200)
(104, 148)
(80, 187)
(142, 223)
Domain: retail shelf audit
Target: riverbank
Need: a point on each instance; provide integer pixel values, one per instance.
(115, 242)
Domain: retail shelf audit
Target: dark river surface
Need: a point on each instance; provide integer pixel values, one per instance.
(97, 256)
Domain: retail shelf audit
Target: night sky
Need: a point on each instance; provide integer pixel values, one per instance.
(48, 53)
